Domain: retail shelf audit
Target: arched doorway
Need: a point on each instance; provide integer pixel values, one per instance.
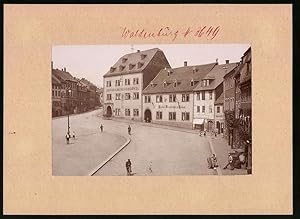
(109, 111)
(147, 115)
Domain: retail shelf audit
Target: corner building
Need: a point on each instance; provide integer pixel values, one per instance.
(168, 99)
(124, 82)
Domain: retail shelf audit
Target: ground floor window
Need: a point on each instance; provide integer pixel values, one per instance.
(198, 109)
(159, 115)
(135, 112)
(127, 112)
(117, 112)
(185, 116)
(172, 115)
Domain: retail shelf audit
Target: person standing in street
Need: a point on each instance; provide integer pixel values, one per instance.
(128, 167)
(101, 128)
(129, 130)
(67, 138)
(73, 134)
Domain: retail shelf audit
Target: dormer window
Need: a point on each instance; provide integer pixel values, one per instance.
(168, 72)
(124, 60)
(204, 83)
(164, 84)
(151, 84)
(192, 83)
(140, 64)
(121, 67)
(112, 69)
(143, 56)
(175, 83)
(131, 66)
(207, 82)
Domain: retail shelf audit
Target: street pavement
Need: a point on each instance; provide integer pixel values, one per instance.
(87, 150)
(154, 150)
(157, 151)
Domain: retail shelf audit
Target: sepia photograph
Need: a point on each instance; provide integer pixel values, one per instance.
(151, 110)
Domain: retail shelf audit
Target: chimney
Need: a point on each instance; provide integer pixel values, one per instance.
(185, 63)
(227, 61)
(65, 69)
(138, 50)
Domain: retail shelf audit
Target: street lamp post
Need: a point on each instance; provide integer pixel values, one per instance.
(69, 92)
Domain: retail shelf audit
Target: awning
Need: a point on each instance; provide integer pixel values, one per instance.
(198, 121)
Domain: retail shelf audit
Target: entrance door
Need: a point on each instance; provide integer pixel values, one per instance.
(109, 111)
(218, 127)
(147, 116)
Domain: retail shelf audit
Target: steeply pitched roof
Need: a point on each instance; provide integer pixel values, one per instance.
(55, 80)
(64, 75)
(183, 76)
(220, 99)
(216, 74)
(246, 73)
(87, 83)
(132, 62)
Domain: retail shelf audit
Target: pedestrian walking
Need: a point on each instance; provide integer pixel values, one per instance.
(129, 130)
(128, 167)
(204, 133)
(67, 138)
(101, 128)
(73, 134)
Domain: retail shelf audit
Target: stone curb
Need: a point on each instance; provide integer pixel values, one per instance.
(109, 158)
(214, 152)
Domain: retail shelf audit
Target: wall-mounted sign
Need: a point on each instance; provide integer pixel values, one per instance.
(171, 107)
(122, 89)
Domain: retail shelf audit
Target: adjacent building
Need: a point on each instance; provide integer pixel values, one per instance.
(206, 93)
(56, 97)
(169, 99)
(124, 82)
(70, 94)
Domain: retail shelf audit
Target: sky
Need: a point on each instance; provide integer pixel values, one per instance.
(93, 61)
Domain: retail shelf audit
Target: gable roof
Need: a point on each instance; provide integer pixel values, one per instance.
(55, 80)
(216, 75)
(183, 76)
(64, 75)
(132, 62)
(87, 83)
(220, 99)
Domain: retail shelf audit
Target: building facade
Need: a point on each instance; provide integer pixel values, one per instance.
(219, 114)
(56, 97)
(205, 96)
(169, 98)
(126, 79)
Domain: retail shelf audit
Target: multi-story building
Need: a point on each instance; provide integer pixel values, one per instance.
(126, 79)
(56, 97)
(245, 113)
(219, 114)
(231, 104)
(92, 96)
(68, 90)
(168, 99)
(205, 95)
(83, 98)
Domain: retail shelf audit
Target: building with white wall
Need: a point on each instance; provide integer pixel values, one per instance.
(168, 99)
(124, 82)
(206, 93)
